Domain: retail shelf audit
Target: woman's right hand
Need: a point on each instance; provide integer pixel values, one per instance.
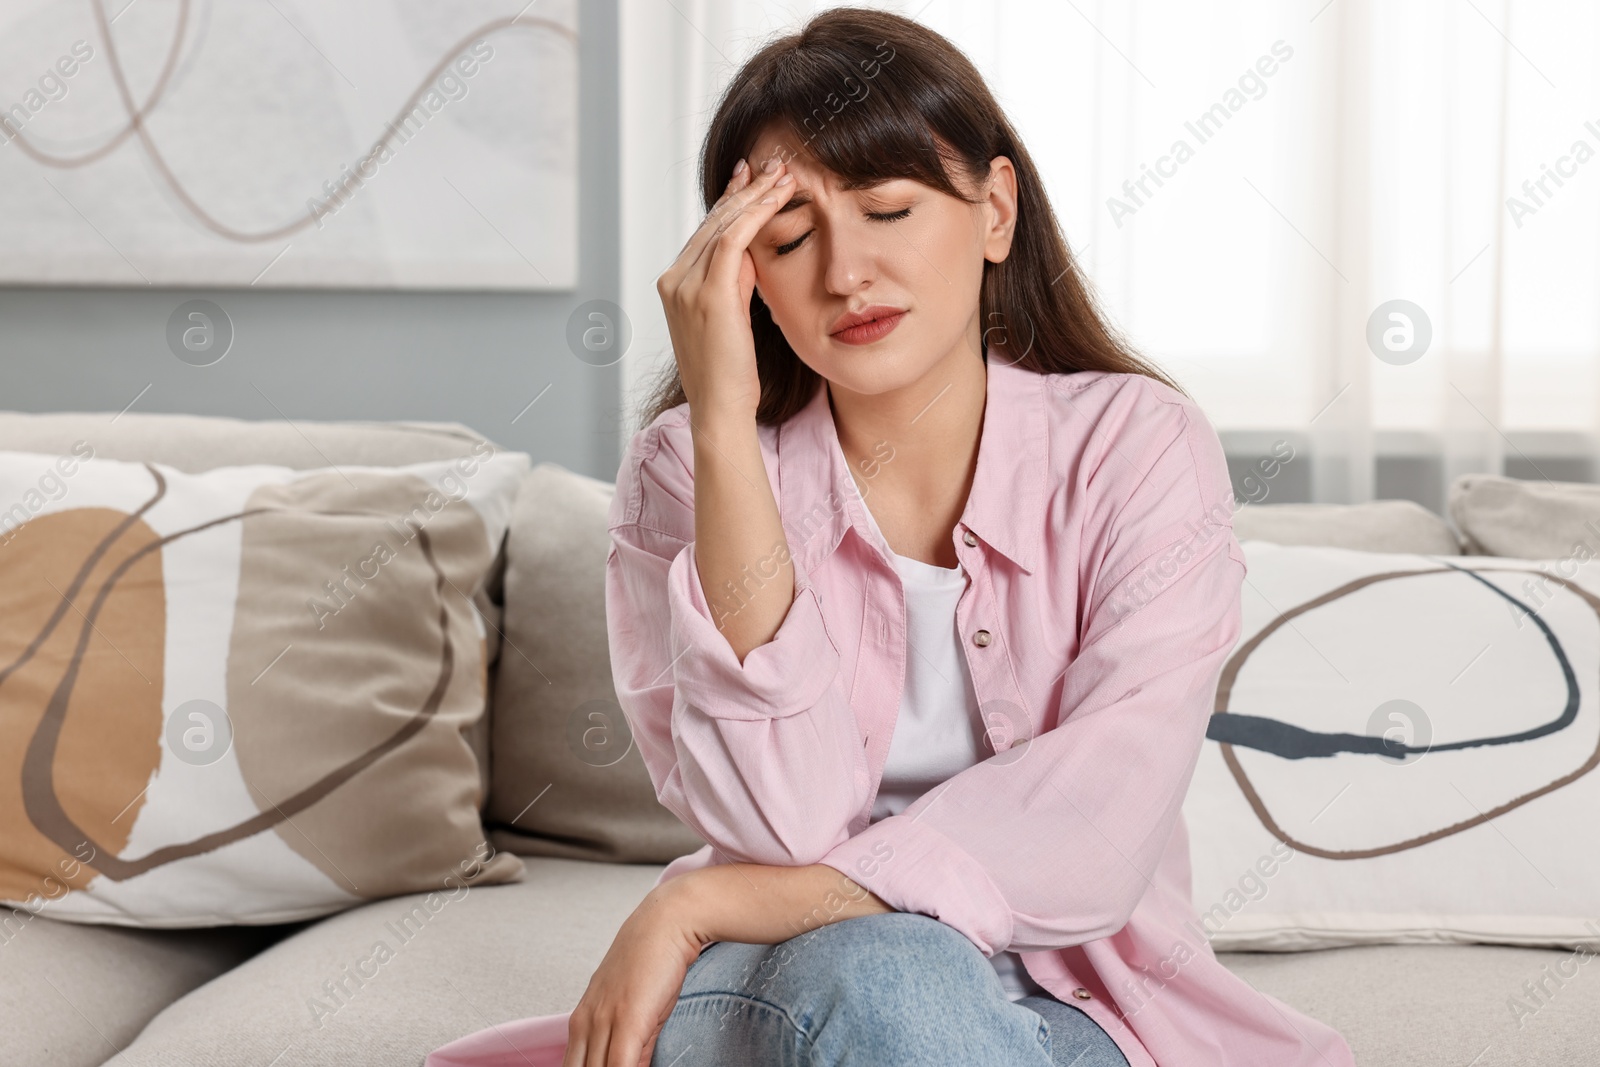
(634, 990)
(706, 294)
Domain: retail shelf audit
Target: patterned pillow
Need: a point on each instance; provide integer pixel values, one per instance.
(241, 696)
(1402, 751)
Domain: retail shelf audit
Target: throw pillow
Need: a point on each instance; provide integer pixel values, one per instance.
(1376, 526)
(1501, 516)
(1402, 750)
(242, 695)
(568, 780)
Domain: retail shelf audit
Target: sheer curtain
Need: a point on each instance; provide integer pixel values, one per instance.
(1280, 203)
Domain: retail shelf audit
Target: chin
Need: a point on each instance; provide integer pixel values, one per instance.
(870, 371)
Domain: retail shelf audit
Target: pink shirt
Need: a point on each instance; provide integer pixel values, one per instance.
(1104, 600)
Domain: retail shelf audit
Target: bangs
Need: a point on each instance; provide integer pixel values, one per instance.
(845, 107)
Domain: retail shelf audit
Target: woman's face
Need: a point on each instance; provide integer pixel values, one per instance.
(901, 250)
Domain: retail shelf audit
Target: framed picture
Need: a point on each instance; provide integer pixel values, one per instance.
(368, 144)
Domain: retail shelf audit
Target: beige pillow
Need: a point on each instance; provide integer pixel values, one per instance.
(567, 779)
(242, 695)
(197, 443)
(1403, 750)
(1378, 526)
(1501, 516)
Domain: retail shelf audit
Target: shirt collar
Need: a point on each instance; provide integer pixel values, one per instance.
(819, 500)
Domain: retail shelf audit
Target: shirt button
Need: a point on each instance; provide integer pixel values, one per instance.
(1082, 993)
(981, 638)
(970, 538)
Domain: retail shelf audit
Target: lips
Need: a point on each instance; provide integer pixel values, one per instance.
(866, 325)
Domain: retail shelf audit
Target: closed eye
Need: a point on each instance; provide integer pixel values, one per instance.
(875, 216)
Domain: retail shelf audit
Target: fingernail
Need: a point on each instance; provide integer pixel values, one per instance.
(785, 180)
(739, 168)
(769, 166)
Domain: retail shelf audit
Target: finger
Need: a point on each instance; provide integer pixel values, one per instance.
(577, 1042)
(649, 1050)
(769, 170)
(748, 191)
(743, 175)
(599, 1039)
(699, 271)
(756, 184)
(624, 1048)
(727, 251)
(738, 202)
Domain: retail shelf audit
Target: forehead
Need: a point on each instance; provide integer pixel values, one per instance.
(809, 173)
(791, 150)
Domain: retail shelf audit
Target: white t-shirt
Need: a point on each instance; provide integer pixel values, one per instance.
(938, 732)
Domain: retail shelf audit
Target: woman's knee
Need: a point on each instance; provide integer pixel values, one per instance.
(898, 950)
(874, 971)
(900, 959)
(877, 989)
(903, 988)
(717, 1028)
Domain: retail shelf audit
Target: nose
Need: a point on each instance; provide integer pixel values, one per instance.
(848, 262)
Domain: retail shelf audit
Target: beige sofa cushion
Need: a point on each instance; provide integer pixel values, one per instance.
(567, 779)
(491, 954)
(1501, 516)
(506, 952)
(73, 996)
(1425, 1005)
(197, 443)
(1378, 526)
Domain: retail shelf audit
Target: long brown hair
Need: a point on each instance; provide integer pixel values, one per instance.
(866, 93)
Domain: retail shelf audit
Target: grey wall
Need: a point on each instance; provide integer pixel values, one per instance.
(476, 358)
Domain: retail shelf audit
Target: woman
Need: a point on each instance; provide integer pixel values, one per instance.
(937, 744)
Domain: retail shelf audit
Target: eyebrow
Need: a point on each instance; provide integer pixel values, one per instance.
(801, 198)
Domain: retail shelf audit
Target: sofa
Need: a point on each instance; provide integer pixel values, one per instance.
(592, 838)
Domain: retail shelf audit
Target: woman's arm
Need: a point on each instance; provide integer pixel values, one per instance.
(738, 532)
(742, 715)
(756, 904)
(636, 986)
(763, 759)
(706, 297)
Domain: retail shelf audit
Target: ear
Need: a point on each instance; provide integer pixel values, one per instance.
(1000, 209)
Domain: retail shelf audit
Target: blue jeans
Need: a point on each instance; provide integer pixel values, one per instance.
(875, 991)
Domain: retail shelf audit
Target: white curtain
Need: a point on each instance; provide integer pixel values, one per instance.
(1337, 156)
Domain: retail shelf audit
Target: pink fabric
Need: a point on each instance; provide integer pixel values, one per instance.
(1107, 576)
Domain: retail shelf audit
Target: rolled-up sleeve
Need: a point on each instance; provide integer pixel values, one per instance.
(1054, 842)
(763, 759)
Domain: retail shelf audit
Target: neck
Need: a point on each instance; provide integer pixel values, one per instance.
(920, 440)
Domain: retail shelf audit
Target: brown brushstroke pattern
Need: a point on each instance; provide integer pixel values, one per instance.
(111, 742)
(1236, 662)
